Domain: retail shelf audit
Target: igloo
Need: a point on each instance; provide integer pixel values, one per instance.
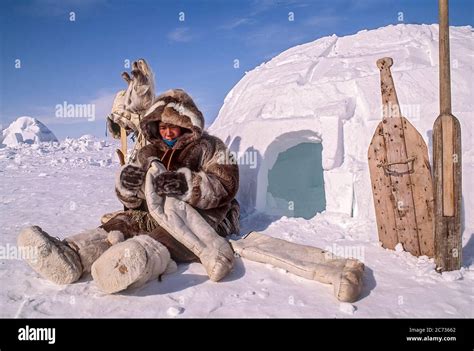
(300, 125)
(26, 130)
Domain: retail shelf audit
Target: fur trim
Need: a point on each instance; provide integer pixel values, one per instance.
(187, 138)
(174, 107)
(183, 110)
(153, 107)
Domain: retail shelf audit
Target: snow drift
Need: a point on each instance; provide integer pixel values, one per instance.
(26, 130)
(328, 92)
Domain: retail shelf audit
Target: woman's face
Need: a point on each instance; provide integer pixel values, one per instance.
(169, 131)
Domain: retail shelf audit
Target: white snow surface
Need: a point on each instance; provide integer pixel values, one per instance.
(26, 130)
(328, 91)
(66, 187)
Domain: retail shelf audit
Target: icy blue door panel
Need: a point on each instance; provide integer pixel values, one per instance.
(296, 183)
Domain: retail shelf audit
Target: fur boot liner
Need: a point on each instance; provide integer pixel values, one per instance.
(92, 243)
(187, 226)
(305, 261)
(50, 257)
(131, 264)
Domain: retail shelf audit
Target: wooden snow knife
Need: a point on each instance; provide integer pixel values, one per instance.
(401, 176)
(446, 162)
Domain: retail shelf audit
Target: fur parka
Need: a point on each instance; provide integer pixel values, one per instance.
(211, 173)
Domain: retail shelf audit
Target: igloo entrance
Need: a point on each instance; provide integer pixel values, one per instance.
(296, 182)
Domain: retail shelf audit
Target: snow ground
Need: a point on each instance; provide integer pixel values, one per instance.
(65, 188)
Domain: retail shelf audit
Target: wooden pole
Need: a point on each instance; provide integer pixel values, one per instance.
(447, 162)
(122, 152)
(444, 59)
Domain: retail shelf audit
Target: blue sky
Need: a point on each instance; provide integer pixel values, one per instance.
(80, 61)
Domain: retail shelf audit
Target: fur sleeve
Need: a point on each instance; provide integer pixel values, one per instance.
(216, 183)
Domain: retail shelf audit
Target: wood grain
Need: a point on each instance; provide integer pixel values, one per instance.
(401, 176)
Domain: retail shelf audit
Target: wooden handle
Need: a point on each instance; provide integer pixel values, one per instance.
(444, 62)
(120, 156)
(445, 109)
(123, 141)
(448, 165)
(391, 108)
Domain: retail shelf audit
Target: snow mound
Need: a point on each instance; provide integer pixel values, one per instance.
(86, 142)
(70, 153)
(327, 92)
(26, 130)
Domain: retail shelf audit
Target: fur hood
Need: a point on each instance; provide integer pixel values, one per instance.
(175, 107)
(212, 176)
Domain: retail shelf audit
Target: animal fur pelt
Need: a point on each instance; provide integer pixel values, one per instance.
(140, 92)
(131, 103)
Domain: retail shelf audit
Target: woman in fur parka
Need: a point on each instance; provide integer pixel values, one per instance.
(201, 173)
(131, 247)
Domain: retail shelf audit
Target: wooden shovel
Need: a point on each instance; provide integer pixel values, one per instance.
(446, 162)
(401, 176)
